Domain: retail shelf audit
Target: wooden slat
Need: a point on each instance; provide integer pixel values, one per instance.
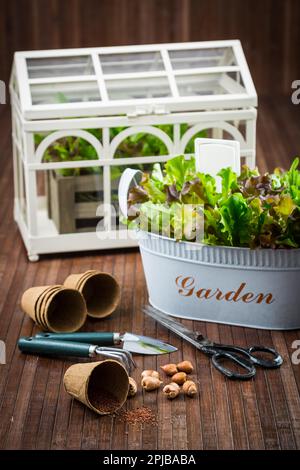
(264, 400)
(251, 411)
(207, 405)
(90, 430)
(77, 412)
(33, 382)
(134, 436)
(221, 399)
(235, 398)
(149, 433)
(290, 406)
(193, 415)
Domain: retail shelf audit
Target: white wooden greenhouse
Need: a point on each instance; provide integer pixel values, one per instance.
(81, 116)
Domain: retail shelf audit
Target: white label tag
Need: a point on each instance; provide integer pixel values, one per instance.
(214, 154)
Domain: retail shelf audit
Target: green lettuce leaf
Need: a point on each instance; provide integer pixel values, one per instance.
(178, 170)
(235, 218)
(252, 210)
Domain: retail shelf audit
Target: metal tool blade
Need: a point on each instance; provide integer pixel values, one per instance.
(145, 345)
(119, 354)
(194, 337)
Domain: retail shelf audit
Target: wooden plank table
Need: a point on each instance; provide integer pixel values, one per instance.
(36, 413)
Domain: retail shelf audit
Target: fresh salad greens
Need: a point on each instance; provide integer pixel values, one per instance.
(252, 210)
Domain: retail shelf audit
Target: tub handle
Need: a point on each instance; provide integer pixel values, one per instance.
(128, 176)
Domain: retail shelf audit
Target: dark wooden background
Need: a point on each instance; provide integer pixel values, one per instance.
(269, 29)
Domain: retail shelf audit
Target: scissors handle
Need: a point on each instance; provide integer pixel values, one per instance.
(273, 363)
(245, 358)
(236, 359)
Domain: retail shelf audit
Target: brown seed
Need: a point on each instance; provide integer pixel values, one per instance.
(150, 383)
(179, 378)
(141, 415)
(132, 387)
(170, 369)
(185, 366)
(189, 388)
(171, 390)
(150, 373)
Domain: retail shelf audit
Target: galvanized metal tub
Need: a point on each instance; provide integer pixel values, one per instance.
(238, 286)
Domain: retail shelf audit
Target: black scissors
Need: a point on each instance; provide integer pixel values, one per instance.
(245, 358)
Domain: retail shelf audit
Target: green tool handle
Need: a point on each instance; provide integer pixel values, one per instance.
(101, 339)
(55, 348)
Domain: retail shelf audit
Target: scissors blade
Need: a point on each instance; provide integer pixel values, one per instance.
(193, 337)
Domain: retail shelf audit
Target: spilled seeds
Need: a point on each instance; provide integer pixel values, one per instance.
(141, 415)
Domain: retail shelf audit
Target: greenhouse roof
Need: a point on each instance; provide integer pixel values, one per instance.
(132, 80)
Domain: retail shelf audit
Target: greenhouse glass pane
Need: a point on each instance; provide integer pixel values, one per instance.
(64, 93)
(197, 58)
(131, 63)
(208, 84)
(142, 144)
(127, 89)
(60, 67)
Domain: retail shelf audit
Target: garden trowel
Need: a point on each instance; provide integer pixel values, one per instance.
(129, 341)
